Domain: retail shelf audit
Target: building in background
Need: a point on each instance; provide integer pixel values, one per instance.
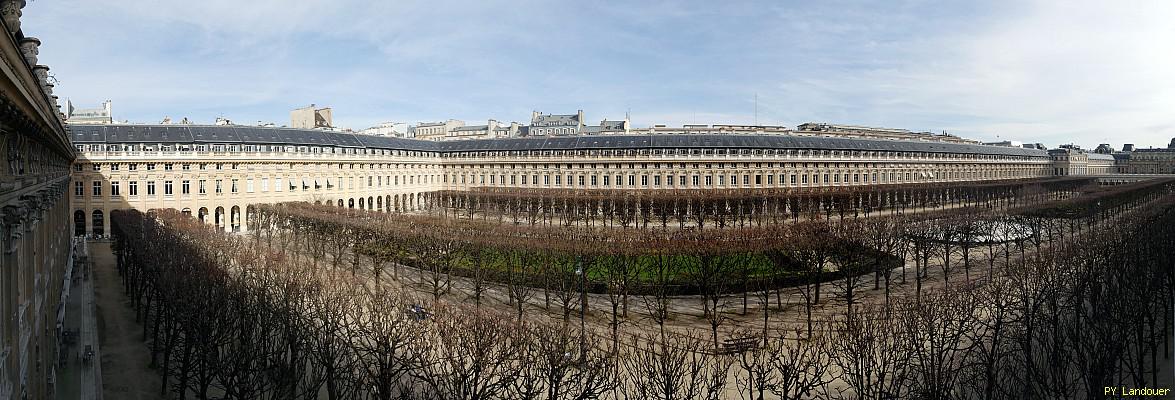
(310, 118)
(878, 133)
(608, 127)
(1005, 143)
(35, 248)
(491, 130)
(1072, 160)
(555, 124)
(1149, 161)
(388, 129)
(81, 116)
(436, 131)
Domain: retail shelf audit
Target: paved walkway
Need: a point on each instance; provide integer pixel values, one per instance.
(79, 377)
(125, 371)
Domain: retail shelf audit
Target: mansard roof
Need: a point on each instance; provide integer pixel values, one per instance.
(228, 134)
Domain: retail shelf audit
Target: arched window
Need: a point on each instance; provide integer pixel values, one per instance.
(79, 223)
(98, 222)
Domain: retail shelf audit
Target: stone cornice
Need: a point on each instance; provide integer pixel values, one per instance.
(27, 104)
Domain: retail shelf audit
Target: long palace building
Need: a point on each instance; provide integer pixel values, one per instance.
(35, 249)
(216, 172)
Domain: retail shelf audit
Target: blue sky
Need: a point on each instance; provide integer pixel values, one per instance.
(1054, 72)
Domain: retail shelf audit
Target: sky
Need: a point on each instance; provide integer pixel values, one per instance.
(1057, 72)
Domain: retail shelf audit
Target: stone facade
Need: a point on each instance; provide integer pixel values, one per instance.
(1074, 161)
(220, 182)
(1150, 161)
(34, 209)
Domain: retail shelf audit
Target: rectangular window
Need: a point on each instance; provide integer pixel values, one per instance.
(233, 188)
(595, 180)
(201, 188)
(186, 186)
(96, 167)
(632, 180)
(79, 189)
(97, 189)
(265, 184)
(581, 180)
(150, 167)
(114, 167)
(249, 185)
(606, 180)
(114, 189)
(150, 188)
(167, 167)
(133, 188)
(681, 180)
(218, 190)
(167, 188)
(132, 167)
(709, 180)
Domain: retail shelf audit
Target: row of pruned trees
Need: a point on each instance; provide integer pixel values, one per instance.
(701, 209)
(1073, 309)
(227, 319)
(720, 267)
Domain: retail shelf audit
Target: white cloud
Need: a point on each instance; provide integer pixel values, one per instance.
(1053, 72)
(1057, 72)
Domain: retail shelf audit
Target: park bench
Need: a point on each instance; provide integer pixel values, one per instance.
(739, 345)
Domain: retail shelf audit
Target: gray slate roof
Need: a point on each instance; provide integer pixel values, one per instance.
(304, 137)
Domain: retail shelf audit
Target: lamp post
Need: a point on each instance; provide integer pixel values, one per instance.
(579, 270)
